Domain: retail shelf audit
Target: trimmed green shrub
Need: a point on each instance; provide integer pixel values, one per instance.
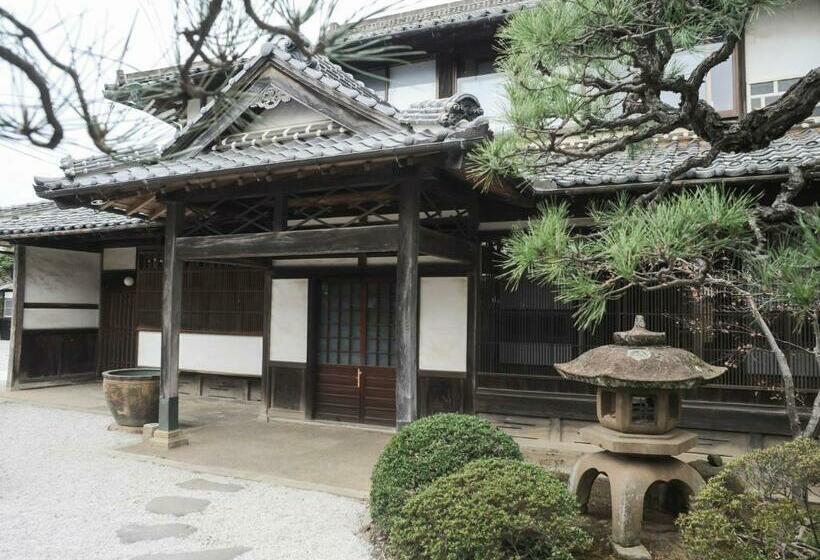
(492, 509)
(758, 507)
(426, 450)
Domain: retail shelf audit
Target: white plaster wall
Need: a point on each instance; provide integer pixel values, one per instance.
(783, 44)
(209, 353)
(289, 320)
(120, 258)
(59, 276)
(45, 319)
(443, 323)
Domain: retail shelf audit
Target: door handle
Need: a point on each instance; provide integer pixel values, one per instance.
(358, 378)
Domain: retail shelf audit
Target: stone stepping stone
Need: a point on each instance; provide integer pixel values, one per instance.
(207, 485)
(176, 505)
(138, 533)
(218, 554)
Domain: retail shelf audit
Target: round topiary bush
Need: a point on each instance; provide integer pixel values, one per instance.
(758, 508)
(492, 509)
(426, 450)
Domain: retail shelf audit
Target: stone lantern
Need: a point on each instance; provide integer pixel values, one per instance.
(639, 380)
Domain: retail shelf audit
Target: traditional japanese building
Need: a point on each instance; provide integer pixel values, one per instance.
(312, 242)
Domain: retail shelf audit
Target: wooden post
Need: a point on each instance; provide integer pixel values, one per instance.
(280, 223)
(16, 333)
(473, 318)
(168, 432)
(407, 305)
(267, 386)
(311, 366)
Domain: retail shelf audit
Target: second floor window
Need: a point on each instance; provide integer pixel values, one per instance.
(480, 78)
(721, 86)
(411, 83)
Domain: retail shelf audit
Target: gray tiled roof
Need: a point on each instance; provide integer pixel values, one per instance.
(799, 147)
(147, 163)
(441, 16)
(46, 218)
(279, 51)
(282, 52)
(295, 148)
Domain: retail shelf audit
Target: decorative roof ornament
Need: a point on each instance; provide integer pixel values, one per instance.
(445, 113)
(270, 98)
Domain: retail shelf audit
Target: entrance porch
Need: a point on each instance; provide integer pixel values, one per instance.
(347, 332)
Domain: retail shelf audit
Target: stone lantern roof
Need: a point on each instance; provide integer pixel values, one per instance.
(640, 358)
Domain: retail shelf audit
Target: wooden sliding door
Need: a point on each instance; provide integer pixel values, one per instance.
(356, 377)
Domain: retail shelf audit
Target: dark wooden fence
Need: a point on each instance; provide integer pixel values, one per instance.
(526, 330)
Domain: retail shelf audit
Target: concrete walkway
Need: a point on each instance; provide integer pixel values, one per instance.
(227, 438)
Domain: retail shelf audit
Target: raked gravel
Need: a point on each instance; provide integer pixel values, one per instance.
(65, 492)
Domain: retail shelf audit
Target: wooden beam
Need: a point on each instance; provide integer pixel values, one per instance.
(407, 305)
(259, 264)
(344, 199)
(437, 244)
(16, 337)
(300, 243)
(317, 182)
(171, 320)
(147, 201)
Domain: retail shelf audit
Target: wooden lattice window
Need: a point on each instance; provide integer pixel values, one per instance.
(216, 299)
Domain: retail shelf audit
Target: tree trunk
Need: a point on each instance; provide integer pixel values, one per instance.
(783, 366)
(813, 427)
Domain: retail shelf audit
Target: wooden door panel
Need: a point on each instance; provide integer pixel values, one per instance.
(379, 399)
(337, 397)
(117, 345)
(356, 334)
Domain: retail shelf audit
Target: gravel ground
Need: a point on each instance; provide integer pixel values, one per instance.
(65, 492)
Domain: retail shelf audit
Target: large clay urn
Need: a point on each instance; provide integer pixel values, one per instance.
(132, 395)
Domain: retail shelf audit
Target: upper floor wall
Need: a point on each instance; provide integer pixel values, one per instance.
(778, 49)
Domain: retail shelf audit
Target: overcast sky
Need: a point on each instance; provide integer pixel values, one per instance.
(104, 24)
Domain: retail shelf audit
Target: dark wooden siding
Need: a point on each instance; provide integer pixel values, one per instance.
(117, 345)
(524, 331)
(57, 354)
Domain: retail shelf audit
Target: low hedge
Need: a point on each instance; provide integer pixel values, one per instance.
(758, 507)
(492, 509)
(426, 450)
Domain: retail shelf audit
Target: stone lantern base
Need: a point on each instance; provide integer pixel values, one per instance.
(672, 443)
(630, 477)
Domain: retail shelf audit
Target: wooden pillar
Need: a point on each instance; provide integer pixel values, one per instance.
(407, 305)
(171, 320)
(16, 333)
(473, 318)
(280, 223)
(267, 382)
